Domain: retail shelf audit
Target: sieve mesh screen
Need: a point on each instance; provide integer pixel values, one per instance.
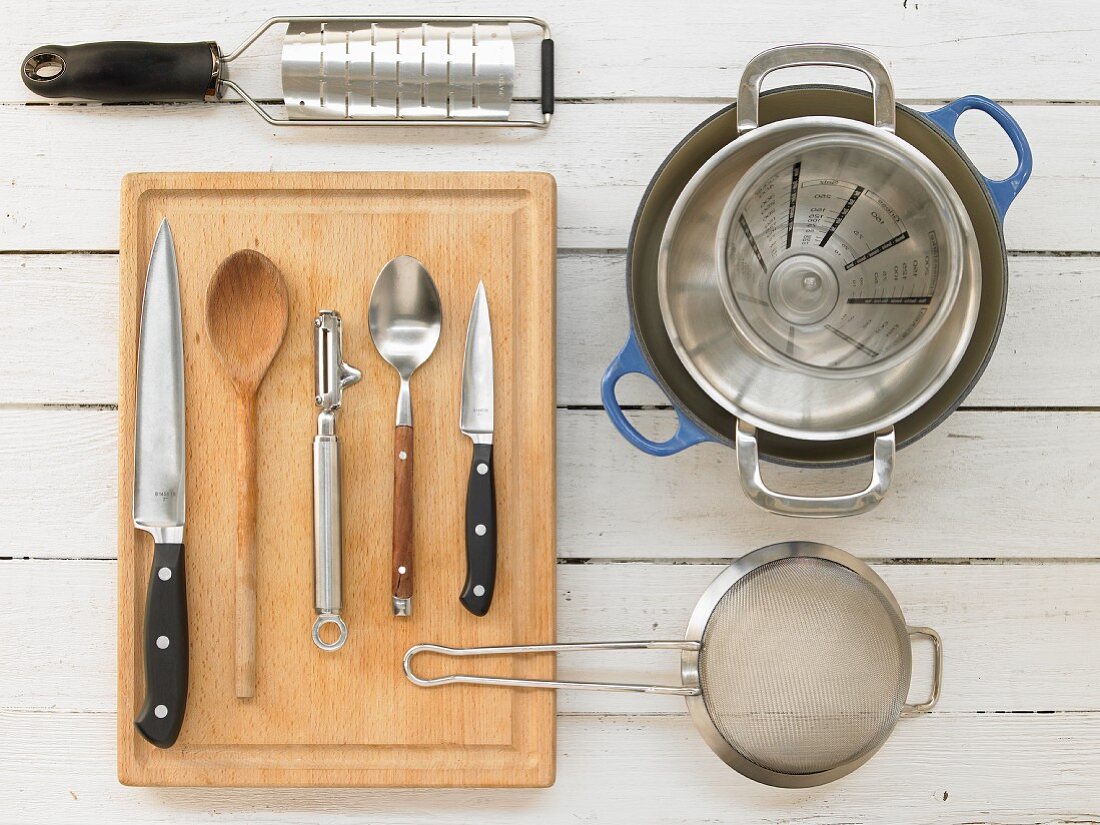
(804, 666)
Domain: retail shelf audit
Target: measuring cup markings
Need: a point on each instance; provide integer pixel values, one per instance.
(809, 230)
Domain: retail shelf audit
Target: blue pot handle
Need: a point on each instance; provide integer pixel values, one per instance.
(629, 360)
(1003, 191)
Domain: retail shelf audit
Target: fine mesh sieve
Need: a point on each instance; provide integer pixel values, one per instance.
(795, 667)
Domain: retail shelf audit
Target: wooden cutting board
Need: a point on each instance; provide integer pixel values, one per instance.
(351, 718)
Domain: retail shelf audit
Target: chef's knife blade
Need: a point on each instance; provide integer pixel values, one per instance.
(159, 494)
(476, 421)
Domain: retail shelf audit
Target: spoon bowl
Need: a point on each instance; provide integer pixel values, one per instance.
(405, 315)
(247, 305)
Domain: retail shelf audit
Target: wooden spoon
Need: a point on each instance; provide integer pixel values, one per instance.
(246, 317)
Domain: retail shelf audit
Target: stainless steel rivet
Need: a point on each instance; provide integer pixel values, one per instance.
(401, 570)
(160, 711)
(479, 590)
(402, 455)
(164, 574)
(480, 529)
(162, 642)
(482, 469)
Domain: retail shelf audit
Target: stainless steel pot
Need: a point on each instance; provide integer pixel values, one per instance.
(651, 351)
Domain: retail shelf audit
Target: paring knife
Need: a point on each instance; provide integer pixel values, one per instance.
(159, 494)
(476, 421)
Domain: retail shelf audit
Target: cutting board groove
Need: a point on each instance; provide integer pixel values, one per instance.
(350, 718)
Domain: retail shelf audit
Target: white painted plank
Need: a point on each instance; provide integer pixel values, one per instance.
(943, 768)
(986, 484)
(60, 190)
(982, 484)
(1044, 617)
(933, 49)
(60, 312)
(59, 325)
(59, 486)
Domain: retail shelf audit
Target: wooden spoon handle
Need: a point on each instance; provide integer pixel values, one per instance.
(402, 520)
(245, 573)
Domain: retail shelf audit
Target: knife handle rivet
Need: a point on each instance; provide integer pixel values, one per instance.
(482, 469)
(161, 711)
(402, 455)
(402, 570)
(480, 529)
(164, 574)
(162, 642)
(479, 590)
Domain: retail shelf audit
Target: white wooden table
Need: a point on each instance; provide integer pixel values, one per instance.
(990, 533)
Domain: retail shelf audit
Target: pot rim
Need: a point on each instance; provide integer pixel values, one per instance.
(963, 313)
(727, 439)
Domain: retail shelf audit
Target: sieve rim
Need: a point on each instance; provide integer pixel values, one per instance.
(697, 624)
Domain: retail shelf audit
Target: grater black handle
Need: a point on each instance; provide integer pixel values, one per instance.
(123, 71)
(547, 76)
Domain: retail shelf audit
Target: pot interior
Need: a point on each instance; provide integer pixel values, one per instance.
(693, 152)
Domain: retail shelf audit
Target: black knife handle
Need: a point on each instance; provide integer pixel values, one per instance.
(161, 716)
(123, 71)
(481, 533)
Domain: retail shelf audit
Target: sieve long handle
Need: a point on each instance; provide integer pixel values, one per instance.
(814, 54)
(788, 504)
(937, 671)
(572, 647)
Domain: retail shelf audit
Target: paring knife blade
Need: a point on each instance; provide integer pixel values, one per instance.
(160, 494)
(476, 421)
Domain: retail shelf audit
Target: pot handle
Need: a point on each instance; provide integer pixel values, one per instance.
(630, 360)
(1003, 191)
(849, 504)
(814, 54)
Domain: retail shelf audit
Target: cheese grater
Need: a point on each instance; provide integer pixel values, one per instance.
(338, 70)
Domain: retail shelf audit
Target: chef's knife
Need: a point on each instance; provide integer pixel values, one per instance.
(159, 494)
(476, 421)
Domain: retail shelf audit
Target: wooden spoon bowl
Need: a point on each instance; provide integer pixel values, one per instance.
(247, 305)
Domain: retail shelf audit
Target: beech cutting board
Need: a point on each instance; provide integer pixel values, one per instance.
(350, 718)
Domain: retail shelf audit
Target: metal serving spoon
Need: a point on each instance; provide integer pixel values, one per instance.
(404, 319)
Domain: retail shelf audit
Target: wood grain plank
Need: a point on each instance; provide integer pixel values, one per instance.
(67, 305)
(985, 484)
(601, 175)
(1042, 614)
(945, 768)
(933, 50)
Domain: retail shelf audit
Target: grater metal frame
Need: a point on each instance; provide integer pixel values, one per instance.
(222, 82)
